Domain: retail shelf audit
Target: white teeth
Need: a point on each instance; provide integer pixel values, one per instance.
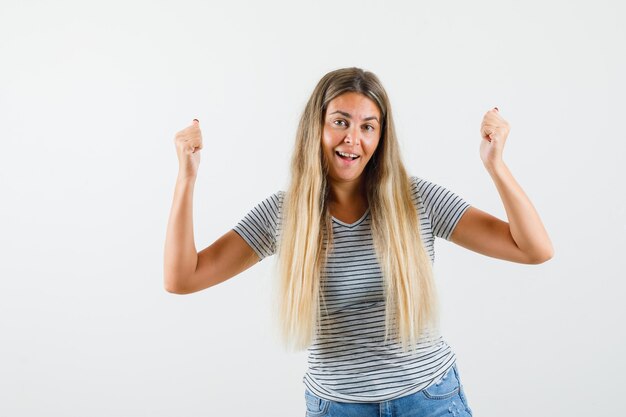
(351, 155)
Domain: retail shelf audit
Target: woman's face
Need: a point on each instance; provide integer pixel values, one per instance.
(351, 125)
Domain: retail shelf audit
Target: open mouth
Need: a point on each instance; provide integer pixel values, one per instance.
(346, 158)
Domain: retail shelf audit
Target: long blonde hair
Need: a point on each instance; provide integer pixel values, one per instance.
(306, 233)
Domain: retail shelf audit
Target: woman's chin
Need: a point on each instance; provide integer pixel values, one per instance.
(345, 176)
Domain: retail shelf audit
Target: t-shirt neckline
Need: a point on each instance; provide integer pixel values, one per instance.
(356, 222)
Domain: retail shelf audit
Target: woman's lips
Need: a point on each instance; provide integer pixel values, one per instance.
(347, 161)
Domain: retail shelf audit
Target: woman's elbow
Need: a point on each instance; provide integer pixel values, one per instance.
(173, 287)
(542, 256)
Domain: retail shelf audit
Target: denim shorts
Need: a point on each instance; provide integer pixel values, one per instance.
(443, 398)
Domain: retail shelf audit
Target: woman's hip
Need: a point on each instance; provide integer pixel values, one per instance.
(444, 398)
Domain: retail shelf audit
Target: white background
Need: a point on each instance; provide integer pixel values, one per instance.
(91, 95)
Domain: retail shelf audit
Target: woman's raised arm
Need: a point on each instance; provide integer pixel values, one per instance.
(184, 270)
(524, 238)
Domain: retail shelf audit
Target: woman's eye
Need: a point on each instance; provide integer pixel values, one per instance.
(340, 121)
(369, 127)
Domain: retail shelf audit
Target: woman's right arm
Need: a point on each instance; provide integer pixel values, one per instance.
(184, 270)
(181, 257)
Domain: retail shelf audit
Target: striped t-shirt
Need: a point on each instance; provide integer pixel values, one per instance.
(348, 361)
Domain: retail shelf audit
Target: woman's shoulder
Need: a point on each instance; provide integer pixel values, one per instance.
(425, 191)
(417, 183)
(417, 180)
(421, 184)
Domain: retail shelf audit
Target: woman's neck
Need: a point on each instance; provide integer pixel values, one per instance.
(348, 194)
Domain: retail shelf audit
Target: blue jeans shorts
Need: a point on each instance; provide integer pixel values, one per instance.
(443, 398)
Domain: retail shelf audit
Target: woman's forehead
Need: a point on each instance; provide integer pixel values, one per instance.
(356, 105)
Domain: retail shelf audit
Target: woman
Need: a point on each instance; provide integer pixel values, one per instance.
(354, 237)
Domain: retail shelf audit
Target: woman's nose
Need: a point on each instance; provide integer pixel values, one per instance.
(353, 137)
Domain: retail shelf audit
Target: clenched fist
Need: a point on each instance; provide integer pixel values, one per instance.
(494, 130)
(188, 144)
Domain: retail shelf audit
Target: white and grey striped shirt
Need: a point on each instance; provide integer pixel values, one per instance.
(348, 361)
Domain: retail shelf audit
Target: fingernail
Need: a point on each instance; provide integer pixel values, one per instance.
(496, 109)
(197, 120)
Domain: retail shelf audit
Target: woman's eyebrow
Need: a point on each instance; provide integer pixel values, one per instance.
(350, 117)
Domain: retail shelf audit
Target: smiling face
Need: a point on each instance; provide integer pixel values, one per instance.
(351, 125)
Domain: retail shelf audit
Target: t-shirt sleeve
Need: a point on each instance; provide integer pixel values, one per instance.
(443, 207)
(259, 227)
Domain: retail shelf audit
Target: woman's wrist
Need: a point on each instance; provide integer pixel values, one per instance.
(495, 167)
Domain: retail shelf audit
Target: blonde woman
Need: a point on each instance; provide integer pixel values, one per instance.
(353, 234)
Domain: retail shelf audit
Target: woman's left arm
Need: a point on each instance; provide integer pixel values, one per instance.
(523, 239)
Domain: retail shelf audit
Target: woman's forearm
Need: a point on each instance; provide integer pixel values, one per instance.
(526, 227)
(181, 256)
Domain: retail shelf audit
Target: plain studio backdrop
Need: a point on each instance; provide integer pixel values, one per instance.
(93, 93)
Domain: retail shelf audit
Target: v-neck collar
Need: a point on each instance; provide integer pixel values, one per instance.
(356, 222)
